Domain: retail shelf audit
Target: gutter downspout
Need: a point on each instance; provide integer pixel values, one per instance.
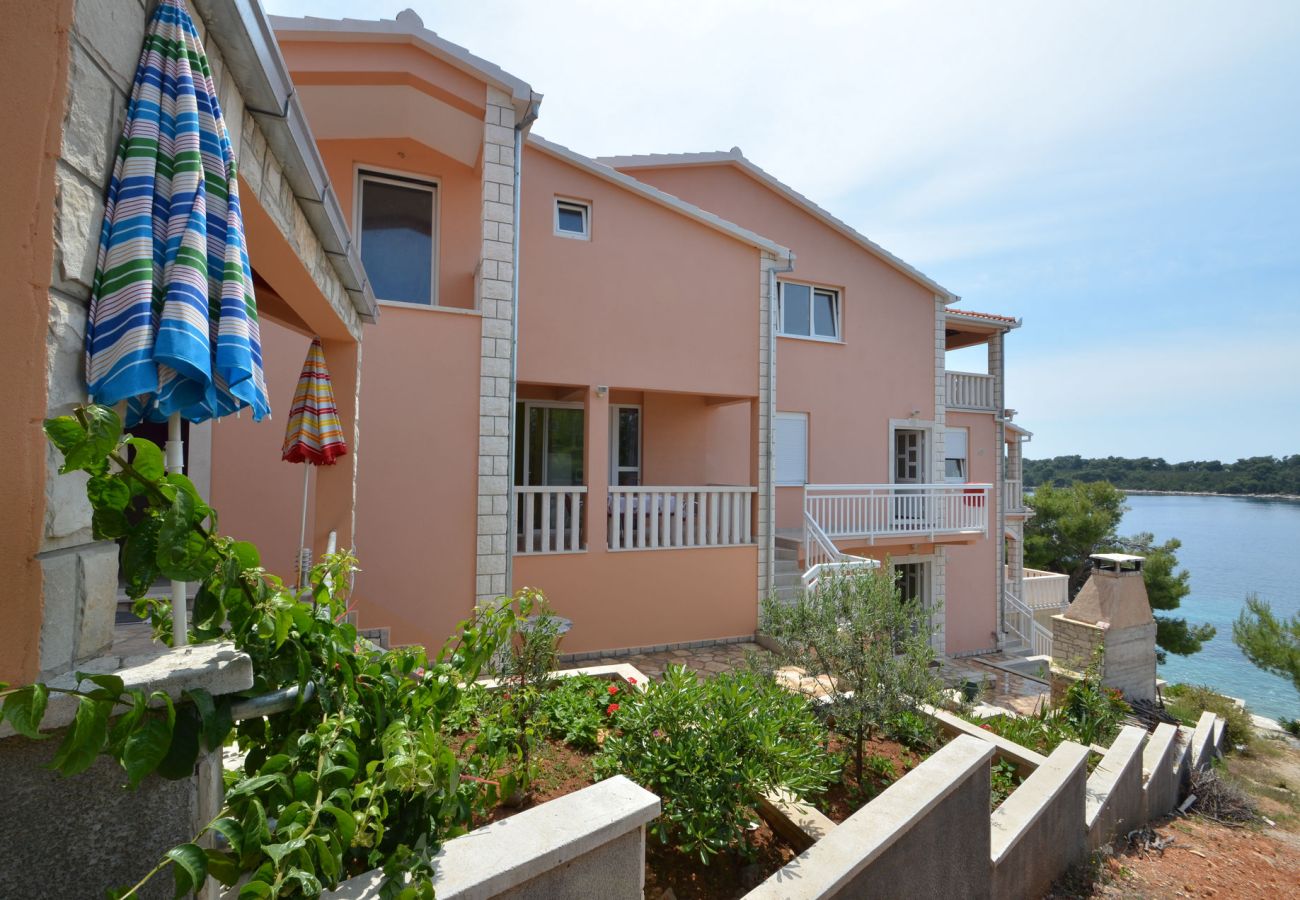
(772, 307)
(529, 117)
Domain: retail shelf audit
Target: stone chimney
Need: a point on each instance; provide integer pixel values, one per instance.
(1110, 612)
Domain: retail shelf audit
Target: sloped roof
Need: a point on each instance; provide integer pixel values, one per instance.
(653, 194)
(982, 317)
(734, 157)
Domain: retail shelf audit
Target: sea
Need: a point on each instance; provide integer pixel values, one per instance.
(1233, 547)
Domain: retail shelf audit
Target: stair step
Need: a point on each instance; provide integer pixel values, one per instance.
(786, 553)
(787, 543)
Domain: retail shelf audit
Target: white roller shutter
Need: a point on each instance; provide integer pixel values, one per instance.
(792, 449)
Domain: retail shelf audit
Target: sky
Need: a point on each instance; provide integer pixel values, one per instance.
(1124, 177)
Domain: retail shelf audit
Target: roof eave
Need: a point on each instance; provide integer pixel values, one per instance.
(649, 192)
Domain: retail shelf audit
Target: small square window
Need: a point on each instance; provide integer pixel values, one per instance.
(572, 219)
(809, 312)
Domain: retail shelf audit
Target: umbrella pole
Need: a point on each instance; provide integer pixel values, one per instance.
(302, 536)
(175, 451)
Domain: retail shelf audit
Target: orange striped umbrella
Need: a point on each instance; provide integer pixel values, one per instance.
(314, 435)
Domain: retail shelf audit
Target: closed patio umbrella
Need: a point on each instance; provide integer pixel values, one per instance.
(173, 320)
(313, 435)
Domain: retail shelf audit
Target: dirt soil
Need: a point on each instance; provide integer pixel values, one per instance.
(669, 874)
(847, 797)
(561, 770)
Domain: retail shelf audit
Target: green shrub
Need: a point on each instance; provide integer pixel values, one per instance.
(710, 749)
(1088, 714)
(1004, 780)
(575, 709)
(1186, 702)
(857, 628)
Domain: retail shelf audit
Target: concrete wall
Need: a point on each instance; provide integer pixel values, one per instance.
(926, 835)
(1160, 771)
(1115, 789)
(1036, 832)
(590, 843)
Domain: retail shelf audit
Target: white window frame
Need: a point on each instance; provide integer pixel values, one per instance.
(803, 419)
(965, 478)
(584, 206)
(415, 181)
(837, 312)
(614, 468)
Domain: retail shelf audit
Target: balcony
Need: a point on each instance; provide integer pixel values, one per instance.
(918, 511)
(1043, 590)
(968, 390)
(652, 518)
(1013, 497)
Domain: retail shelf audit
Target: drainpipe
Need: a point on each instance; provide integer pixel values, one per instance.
(771, 415)
(529, 117)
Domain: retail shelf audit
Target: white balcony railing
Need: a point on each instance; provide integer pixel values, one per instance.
(1013, 495)
(898, 510)
(646, 518)
(968, 390)
(1022, 625)
(549, 519)
(823, 559)
(1045, 590)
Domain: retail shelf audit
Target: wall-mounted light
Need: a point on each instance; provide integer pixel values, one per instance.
(916, 413)
(602, 390)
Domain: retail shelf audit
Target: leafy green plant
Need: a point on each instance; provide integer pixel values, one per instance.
(873, 644)
(1003, 780)
(575, 710)
(356, 775)
(710, 749)
(1186, 702)
(881, 768)
(913, 730)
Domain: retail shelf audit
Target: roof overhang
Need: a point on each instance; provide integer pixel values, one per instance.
(966, 328)
(408, 28)
(254, 62)
(653, 194)
(736, 159)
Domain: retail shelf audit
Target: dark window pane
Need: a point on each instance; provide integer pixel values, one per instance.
(571, 219)
(629, 438)
(564, 447)
(795, 300)
(824, 314)
(629, 479)
(397, 241)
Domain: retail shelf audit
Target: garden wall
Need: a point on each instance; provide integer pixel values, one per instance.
(1115, 788)
(905, 837)
(590, 843)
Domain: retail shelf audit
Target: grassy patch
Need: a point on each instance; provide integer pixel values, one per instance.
(1186, 702)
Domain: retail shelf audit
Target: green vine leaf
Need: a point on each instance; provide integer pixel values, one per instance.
(65, 433)
(24, 709)
(184, 749)
(84, 738)
(190, 867)
(147, 460)
(145, 749)
(108, 492)
(108, 524)
(102, 431)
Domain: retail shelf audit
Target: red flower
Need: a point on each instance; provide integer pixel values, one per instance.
(613, 689)
(631, 681)
(611, 709)
(986, 728)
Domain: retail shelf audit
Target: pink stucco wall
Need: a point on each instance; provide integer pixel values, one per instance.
(883, 370)
(259, 495)
(973, 568)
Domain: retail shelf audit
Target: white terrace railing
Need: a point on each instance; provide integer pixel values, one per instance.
(549, 519)
(1045, 590)
(822, 558)
(874, 511)
(1013, 495)
(1020, 622)
(968, 390)
(647, 518)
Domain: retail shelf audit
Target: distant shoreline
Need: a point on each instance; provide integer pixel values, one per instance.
(1292, 497)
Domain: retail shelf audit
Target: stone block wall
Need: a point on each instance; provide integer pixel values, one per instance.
(79, 573)
(495, 296)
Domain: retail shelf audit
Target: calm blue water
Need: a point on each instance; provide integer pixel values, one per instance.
(1232, 547)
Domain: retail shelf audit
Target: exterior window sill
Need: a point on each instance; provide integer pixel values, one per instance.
(810, 339)
(426, 307)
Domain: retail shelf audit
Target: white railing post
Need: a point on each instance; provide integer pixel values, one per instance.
(548, 519)
(648, 518)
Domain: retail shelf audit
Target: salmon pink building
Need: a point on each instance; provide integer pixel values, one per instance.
(659, 388)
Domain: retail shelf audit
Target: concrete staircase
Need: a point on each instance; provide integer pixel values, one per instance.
(786, 575)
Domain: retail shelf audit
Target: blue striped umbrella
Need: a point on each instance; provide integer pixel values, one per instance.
(173, 321)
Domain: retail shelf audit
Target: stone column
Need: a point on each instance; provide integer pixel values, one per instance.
(495, 296)
(998, 500)
(764, 460)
